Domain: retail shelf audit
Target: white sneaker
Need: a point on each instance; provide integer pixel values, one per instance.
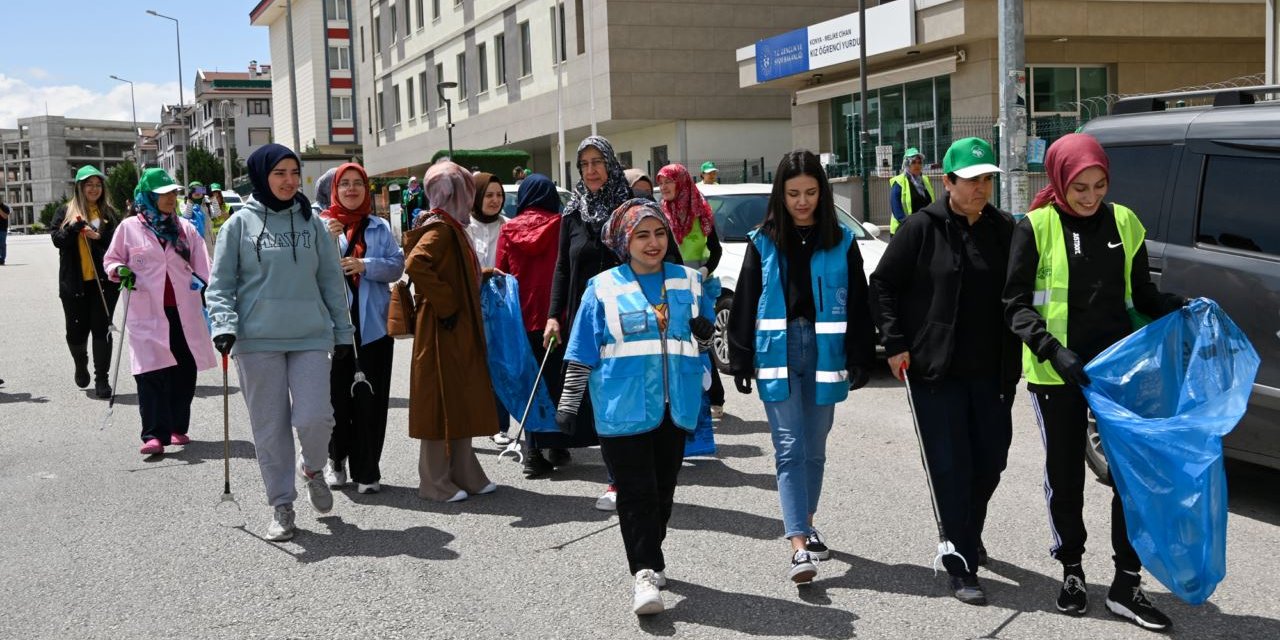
(318, 493)
(647, 599)
(368, 488)
(717, 412)
(660, 579)
(458, 497)
(501, 439)
(608, 501)
(281, 527)
(335, 475)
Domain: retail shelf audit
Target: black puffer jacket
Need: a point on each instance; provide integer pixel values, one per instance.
(70, 276)
(916, 288)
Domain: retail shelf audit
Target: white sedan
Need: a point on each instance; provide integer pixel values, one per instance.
(739, 208)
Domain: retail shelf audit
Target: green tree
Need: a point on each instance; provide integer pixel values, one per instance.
(120, 183)
(46, 214)
(204, 166)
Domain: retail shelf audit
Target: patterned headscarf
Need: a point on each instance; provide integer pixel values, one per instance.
(689, 204)
(623, 222)
(164, 225)
(450, 188)
(595, 208)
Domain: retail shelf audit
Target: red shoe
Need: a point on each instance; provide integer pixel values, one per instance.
(151, 447)
(179, 438)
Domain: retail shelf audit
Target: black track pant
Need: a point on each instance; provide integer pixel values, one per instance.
(645, 469)
(165, 395)
(360, 422)
(1062, 413)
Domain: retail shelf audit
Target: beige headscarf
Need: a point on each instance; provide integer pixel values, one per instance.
(451, 189)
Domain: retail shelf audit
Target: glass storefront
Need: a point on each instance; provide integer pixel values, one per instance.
(916, 114)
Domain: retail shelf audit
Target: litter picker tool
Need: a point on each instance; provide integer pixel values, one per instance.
(115, 365)
(513, 447)
(945, 547)
(359, 378)
(102, 295)
(226, 446)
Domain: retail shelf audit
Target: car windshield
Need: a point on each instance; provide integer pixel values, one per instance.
(509, 207)
(737, 214)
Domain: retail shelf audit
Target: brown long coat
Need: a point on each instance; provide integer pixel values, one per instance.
(450, 392)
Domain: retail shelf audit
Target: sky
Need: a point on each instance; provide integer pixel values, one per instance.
(62, 53)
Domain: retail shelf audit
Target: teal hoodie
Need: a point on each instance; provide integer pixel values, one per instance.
(281, 290)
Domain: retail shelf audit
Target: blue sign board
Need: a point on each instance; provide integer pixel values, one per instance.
(782, 55)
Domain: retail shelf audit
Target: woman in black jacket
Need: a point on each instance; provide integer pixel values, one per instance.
(82, 231)
(938, 298)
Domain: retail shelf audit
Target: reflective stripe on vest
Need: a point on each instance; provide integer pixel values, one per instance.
(1052, 286)
(829, 276)
(904, 188)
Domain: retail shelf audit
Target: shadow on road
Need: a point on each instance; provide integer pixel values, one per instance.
(731, 425)
(6, 398)
(197, 452)
(344, 539)
(715, 473)
(748, 614)
(1251, 492)
(205, 391)
(737, 450)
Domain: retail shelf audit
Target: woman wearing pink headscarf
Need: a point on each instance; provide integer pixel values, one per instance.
(1077, 272)
(447, 411)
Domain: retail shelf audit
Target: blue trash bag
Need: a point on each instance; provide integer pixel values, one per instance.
(512, 367)
(1164, 397)
(702, 442)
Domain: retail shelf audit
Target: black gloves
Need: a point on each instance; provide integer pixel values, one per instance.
(1069, 367)
(77, 226)
(858, 378)
(564, 420)
(743, 383)
(342, 351)
(450, 322)
(223, 342)
(702, 328)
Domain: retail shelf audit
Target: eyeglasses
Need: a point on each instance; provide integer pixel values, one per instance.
(596, 163)
(351, 184)
(917, 161)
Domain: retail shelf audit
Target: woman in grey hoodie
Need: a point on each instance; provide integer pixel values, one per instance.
(277, 302)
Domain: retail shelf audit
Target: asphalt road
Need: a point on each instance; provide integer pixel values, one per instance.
(95, 542)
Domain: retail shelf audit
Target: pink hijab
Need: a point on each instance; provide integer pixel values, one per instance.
(1066, 158)
(451, 189)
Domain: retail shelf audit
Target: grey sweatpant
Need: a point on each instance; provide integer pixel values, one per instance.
(284, 389)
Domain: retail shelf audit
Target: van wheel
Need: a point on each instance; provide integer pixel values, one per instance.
(1093, 454)
(720, 343)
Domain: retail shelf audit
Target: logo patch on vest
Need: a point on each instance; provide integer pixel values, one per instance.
(634, 322)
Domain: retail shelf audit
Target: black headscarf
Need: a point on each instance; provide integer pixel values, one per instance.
(260, 164)
(595, 208)
(538, 191)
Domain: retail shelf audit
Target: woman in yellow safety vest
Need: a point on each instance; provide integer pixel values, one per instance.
(1077, 273)
(909, 191)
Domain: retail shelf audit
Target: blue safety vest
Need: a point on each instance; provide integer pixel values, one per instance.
(829, 272)
(642, 370)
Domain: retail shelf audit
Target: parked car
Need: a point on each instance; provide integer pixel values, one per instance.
(509, 207)
(739, 208)
(1201, 179)
(233, 200)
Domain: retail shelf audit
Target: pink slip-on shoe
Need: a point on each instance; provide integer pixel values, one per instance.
(179, 438)
(151, 447)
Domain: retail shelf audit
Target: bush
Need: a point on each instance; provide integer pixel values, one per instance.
(120, 183)
(499, 162)
(47, 213)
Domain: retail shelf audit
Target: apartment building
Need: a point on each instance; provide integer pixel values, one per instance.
(232, 111)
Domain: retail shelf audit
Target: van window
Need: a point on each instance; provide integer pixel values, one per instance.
(1138, 180)
(1238, 204)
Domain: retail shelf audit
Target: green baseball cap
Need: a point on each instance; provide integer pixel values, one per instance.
(912, 152)
(970, 158)
(194, 184)
(156, 180)
(215, 187)
(709, 166)
(89, 171)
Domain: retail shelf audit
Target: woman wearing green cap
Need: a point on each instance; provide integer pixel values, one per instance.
(938, 304)
(82, 232)
(196, 211)
(909, 191)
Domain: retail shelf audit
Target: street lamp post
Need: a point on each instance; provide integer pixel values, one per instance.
(226, 144)
(448, 110)
(182, 100)
(137, 148)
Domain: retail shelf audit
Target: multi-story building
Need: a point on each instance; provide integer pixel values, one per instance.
(39, 159)
(659, 80)
(232, 112)
(172, 136)
(312, 90)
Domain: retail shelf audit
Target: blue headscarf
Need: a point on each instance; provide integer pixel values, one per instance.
(538, 191)
(164, 226)
(260, 164)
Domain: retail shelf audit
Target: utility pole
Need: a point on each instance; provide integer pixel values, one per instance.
(182, 100)
(864, 138)
(293, 79)
(1013, 108)
(226, 144)
(555, 44)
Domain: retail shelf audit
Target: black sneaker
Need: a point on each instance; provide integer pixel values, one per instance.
(1073, 599)
(102, 388)
(536, 466)
(804, 567)
(816, 547)
(983, 560)
(558, 457)
(1127, 600)
(968, 590)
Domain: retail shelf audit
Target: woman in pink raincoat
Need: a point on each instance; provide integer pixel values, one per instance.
(156, 254)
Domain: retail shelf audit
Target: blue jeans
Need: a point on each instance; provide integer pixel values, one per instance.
(799, 428)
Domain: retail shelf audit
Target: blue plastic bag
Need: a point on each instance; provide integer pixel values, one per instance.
(512, 367)
(702, 442)
(1164, 397)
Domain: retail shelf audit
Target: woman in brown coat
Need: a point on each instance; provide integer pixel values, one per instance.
(447, 411)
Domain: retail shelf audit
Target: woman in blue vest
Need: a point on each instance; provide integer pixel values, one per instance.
(801, 326)
(1064, 322)
(635, 343)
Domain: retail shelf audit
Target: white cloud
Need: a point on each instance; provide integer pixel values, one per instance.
(23, 100)
(38, 73)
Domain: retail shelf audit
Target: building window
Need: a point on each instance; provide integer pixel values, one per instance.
(558, 23)
(421, 17)
(526, 50)
(395, 95)
(500, 59)
(439, 77)
(336, 9)
(462, 75)
(658, 156)
(1236, 189)
(259, 137)
(624, 159)
(340, 58)
(581, 24)
(408, 94)
(916, 114)
(377, 34)
(422, 91)
(482, 60)
(407, 19)
(435, 9)
(1061, 91)
(259, 107)
(395, 24)
(382, 117)
(368, 114)
(340, 107)
(361, 43)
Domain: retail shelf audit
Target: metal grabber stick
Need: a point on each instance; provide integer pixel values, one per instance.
(945, 547)
(226, 441)
(102, 295)
(359, 378)
(513, 447)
